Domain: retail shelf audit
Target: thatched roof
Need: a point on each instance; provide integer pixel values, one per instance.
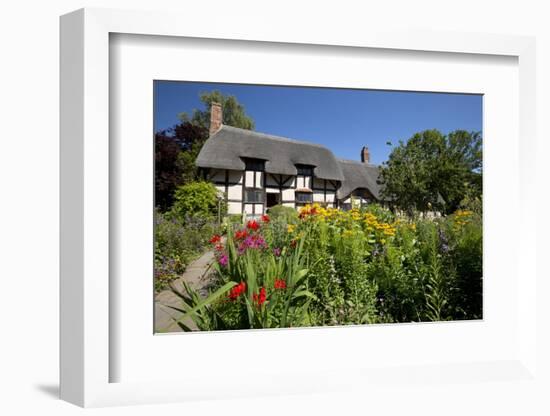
(359, 175)
(228, 146)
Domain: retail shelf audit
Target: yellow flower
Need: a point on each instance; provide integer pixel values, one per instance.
(290, 228)
(347, 233)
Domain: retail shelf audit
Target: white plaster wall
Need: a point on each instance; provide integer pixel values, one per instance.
(259, 179)
(235, 192)
(318, 196)
(234, 207)
(249, 176)
(288, 194)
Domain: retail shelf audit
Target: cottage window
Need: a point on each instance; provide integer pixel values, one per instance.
(304, 197)
(253, 196)
(304, 170)
(255, 164)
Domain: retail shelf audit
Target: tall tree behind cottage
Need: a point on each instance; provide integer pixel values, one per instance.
(176, 148)
(434, 171)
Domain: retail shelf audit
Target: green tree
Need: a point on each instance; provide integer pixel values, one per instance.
(432, 170)
(233, 112)
(198, 200)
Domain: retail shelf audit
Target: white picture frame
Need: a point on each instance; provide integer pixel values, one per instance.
(86, 356)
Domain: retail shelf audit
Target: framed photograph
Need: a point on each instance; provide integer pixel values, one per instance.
(262, 231)
(321, 213)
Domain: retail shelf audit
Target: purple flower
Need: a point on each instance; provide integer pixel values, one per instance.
(252, 242)
(223, 260)
(443, 241)
(277, 251)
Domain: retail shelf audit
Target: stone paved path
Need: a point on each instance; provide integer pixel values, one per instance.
(196, 274)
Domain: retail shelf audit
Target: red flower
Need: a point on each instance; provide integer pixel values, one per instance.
(279, 284)
(237, 291)
(219, 247)
(265, 218)
(259, 298)
(241, 234)
(252, 225)
(215, 239)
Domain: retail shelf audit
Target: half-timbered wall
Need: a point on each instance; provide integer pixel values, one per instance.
(253, 189)
(234, 185)
(229, 184)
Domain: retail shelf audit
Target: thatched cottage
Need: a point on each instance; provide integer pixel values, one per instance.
(256, 171)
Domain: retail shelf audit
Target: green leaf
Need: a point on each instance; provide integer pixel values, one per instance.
(208, 301)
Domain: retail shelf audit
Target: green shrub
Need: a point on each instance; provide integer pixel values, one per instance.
(235, 219)
(197, 200)
(382, 213)
(358, 286)
(324, 280)
(466, 251)
(177, 244)
(285, 214)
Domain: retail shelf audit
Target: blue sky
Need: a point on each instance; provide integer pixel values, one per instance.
(343, 120)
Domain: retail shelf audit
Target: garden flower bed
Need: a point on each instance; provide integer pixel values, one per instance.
(330, 267)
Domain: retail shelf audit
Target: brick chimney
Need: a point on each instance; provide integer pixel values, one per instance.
(216, 117)
(365, 155)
